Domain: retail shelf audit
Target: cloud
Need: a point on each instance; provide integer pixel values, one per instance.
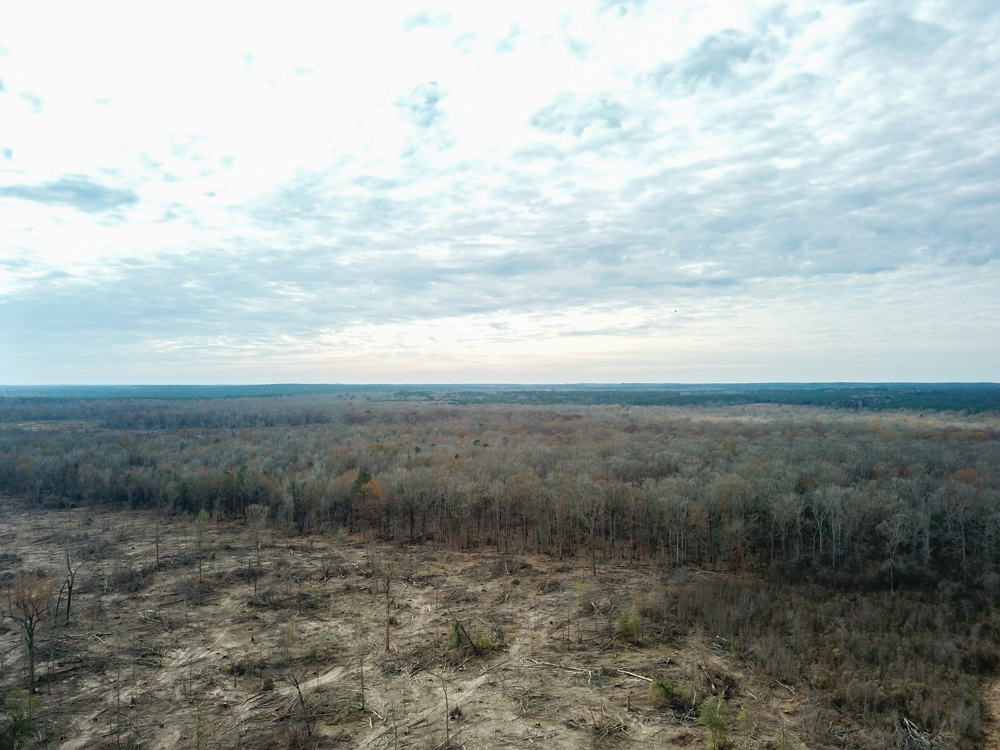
(578, 47)
(507, 44)
(727, 57)
(716, 59)
(36, 102)
(899, 35)
(77, 192)
(569, 112)
(791, 184)
(622, 7)
(426, 18)
(421, 105)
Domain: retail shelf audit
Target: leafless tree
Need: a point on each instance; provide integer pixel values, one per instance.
(257, 521)
(388, 603)
(895, 530)
(69, 581)
(590, 505)
(27, 602)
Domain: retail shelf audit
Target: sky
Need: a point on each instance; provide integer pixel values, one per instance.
(516, 192)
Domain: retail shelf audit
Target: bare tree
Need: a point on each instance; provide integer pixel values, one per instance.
(361, 660)
(156, 540)
(69, 581)
(388, 604)
(306, 709)
(895, 530)
(447, 717)
(591, 504)
(257, 522)
(27, 603)
(200, 527)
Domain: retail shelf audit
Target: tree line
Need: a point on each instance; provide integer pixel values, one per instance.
(881, 500)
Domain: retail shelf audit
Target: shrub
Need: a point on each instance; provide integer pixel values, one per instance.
(481, 644)
(21, 709)
(126, 580)
(628, 625)
(672, 694)
(713, 716)
(456, 633)
(485, 644)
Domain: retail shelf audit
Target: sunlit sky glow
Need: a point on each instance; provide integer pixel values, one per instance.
(500, 192)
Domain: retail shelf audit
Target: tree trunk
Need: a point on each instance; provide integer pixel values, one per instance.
(29, 640)
(388, 603)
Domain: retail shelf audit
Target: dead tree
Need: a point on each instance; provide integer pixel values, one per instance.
(69, 582)
(156, 541)
(388, 604)
(257, 522)
(591, 511)
(447, 718)
(27, 603)
(200, 527)
(308, 719)
(362, 658)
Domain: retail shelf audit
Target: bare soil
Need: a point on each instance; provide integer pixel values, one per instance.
(154, 658)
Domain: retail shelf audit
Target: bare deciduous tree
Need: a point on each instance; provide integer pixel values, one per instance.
(590, 504)
(200, 527)
(257, 521)
(895, 530)
(388, 604)
(27, 603)
(69, 581)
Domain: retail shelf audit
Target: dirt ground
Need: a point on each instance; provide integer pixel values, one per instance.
(292, 653)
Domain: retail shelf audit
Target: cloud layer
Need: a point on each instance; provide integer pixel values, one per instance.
(620, 192)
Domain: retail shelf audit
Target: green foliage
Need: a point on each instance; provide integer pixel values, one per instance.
(21, 709)
(713, 716)
(486, 644)
(201, 524)
(358, 488)
(456, 633)
(746, 727)
(628, 625)
(783, 742)
(673, 694)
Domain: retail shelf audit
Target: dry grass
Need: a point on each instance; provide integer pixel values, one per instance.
(273, 656)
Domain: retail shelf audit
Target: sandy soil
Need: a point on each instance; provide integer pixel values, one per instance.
(152, 658)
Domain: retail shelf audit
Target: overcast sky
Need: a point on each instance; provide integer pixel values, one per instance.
(500, 192)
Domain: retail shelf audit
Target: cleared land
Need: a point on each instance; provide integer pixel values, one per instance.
(153, 658)
(571, 575)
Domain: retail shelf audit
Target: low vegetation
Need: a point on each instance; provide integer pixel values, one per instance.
(726, 567)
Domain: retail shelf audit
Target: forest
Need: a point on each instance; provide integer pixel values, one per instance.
(849, 552)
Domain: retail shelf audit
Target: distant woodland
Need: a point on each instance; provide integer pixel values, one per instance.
(861, 545)
(877, 499)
